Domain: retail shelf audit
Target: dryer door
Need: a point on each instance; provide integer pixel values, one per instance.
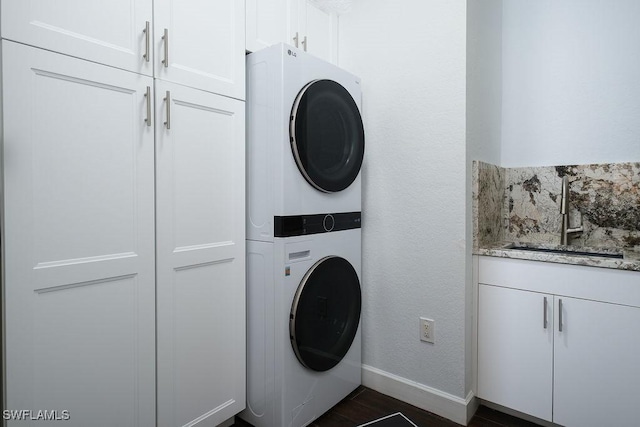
(327, 136)
(325, 313)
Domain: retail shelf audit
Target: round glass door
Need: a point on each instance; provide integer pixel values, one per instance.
(325, 313)
(327, 136)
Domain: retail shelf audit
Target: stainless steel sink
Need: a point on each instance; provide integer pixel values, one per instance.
(566, 250)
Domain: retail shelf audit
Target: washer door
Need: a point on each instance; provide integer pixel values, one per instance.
(325, 313)
(327, 136)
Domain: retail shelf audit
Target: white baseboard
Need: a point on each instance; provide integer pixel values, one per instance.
(424, 397)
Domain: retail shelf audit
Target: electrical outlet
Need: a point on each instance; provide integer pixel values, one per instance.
(427, 330)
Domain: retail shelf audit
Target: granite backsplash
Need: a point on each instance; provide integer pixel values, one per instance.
(523, 204)
(488, 204)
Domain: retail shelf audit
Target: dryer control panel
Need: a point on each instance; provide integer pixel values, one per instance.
(300, 225)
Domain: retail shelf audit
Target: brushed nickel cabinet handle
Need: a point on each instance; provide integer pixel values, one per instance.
(146, 42)
(148, 96)
(165, 38)
(559, 315)
(167, 100)
(544, 313)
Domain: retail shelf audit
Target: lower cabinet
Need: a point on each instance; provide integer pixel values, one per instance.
(515, 350)
(572, 361)
(596, 371)
(200, 256)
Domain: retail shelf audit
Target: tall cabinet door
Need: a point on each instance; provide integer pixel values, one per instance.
(78, 239)
(201, 44)
(108, 32)
(594, 384)
(515, 349)
(200, 256)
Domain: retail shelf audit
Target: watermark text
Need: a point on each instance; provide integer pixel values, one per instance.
(28, 414)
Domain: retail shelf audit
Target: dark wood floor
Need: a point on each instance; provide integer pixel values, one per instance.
(364, 405)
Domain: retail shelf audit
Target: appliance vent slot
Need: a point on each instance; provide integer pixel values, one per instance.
(299, 255)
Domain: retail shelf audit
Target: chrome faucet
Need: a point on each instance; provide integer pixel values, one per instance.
(564, 211)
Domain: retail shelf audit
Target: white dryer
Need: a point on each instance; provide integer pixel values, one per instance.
(303, 326)
(305, 139)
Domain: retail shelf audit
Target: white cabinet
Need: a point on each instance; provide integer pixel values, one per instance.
(113, 202)
(200, 254)
(596, 371)
(515, 349)
(315, 30)
(299, 23)
(200, 43)
(79, 290)
(579, 369)
(197, 43)
(109, 32)
(268, 22)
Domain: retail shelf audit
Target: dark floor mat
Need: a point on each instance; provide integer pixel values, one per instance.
(394, 420)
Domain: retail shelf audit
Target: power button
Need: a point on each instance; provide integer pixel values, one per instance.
(328, 223)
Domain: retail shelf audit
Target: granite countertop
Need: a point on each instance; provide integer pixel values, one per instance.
(630, 260)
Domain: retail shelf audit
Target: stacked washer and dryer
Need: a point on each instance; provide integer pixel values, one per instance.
(305, 146)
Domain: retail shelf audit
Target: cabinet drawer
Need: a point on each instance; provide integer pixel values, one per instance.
(599, 284)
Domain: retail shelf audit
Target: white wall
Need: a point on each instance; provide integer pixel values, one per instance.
(571, 82)
(547, 82)
(411, 57)
(484, 80)
(484, 117)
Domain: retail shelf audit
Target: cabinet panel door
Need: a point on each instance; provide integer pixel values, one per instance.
(108, 32)
(200, 256)
(206, 46)
(596, 364)
(267, 23)
(515, 350)
(321, 31)
(79, 239)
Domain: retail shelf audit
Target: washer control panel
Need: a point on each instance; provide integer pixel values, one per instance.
(300, 225)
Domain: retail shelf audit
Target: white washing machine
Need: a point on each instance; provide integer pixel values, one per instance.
(305, 139)
(303, 326)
